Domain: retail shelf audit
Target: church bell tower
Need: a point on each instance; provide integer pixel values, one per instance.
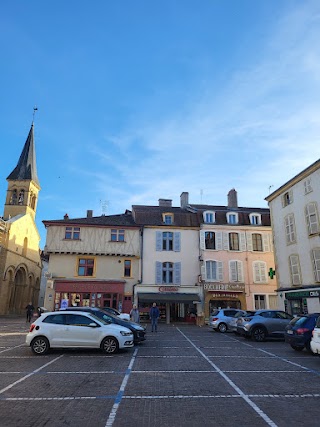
(23, 183)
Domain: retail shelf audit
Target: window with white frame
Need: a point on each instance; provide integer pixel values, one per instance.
(257, 242)
(210, 240)
(234, 242)
(236, 271)
(209, 217)
(287, 198)
(214, 271)
(295, 269)
(312, 218)
(167, 218)
(259, 302)
(307, 186)
(232, 218)
(259, 272)
(117, 235)
(72, 233)
(316, 263)
(255, 219)
(290, 229)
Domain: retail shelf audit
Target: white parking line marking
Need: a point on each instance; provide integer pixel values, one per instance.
(119, 397)
(255, 407)
(11, 348)
(29, 375)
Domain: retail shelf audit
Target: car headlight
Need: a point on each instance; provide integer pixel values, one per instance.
(125, 334)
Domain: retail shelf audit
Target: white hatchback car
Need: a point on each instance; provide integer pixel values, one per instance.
(76, 330)
(315, 340)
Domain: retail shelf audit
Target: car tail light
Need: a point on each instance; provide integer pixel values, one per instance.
(215, 318)
(301, 331)
(32, 327)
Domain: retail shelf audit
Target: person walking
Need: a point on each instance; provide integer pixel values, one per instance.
(154, 316)
(29, 309)
(134, 314)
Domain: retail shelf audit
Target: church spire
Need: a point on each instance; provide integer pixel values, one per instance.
(26, 168)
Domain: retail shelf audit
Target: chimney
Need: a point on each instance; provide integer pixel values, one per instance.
(232, 199)
(89, 214)
(66, 216)
(184, 199)
(165, 202)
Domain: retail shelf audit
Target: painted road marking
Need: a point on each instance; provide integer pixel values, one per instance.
(255, 407)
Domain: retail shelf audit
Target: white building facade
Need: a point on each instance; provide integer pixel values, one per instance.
(296, 229)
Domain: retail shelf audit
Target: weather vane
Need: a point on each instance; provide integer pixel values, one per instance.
(34, 112)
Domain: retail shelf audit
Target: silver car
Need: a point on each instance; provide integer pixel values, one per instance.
(238, 319)
(263, 324)
(220, 318)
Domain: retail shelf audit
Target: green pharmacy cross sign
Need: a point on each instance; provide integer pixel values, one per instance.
(271, 273)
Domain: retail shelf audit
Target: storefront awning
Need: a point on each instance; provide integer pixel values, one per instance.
(166, 297)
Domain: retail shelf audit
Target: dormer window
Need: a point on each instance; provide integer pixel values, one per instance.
(209, 217)
(255, 219)
(287, 198)
(232, 218)
(167, 218)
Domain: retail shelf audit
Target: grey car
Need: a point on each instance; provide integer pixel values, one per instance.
(263, 324)
(221, 317)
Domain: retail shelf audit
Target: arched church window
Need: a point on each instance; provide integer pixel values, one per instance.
(13, 200)
(21, 197)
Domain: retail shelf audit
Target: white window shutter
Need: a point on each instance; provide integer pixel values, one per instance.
(316, 264)
(240, 271)
(265, 242)
(177, 273)
(219, 240)
(225, 241)
(158, 272)
(233, 271)
(220, 271)
(249, 242)
(295, 269)
(242, 242)
(159, 241)
(312, 218)
(263, 272)
(176, 241)
(203, 271)
(202, 240)
(256, 273)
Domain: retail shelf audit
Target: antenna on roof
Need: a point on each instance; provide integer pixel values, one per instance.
(270, 186)
(104, 206)
(201, 194)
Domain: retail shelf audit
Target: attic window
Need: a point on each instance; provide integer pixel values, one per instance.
(255, 219)
(209, 217)
(167, 218)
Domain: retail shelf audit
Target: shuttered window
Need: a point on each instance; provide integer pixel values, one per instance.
(295, 269)
(312, 218)
(214, 271)
(290, 229)
(259, 272)
(236, 271)
(316, 264)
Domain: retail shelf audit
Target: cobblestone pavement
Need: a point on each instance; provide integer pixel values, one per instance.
(181, 376)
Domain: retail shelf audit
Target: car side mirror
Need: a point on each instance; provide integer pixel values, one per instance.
(94, 325)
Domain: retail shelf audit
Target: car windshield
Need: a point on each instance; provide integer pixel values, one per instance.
(100, 319)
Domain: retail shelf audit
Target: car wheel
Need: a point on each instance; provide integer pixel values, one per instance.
(110, 345)
(296, 348)
(222, 328)
(259, 334)
(40, 346)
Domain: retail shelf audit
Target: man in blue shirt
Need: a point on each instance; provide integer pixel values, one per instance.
(154, 316)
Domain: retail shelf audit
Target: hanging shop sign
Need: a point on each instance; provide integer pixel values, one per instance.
(237, 287)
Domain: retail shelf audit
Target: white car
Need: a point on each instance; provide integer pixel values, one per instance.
(315, 340)
(68, 329)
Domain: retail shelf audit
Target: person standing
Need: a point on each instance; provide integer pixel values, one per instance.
(29, 309)
(134, 314)
(154, 316)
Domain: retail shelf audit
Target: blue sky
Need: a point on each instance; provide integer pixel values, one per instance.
(141, 100)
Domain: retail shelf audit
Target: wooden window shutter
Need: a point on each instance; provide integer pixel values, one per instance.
(158, 272)
(177, 273)
(177, 241)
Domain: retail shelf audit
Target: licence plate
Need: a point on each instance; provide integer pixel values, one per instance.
(290, 332)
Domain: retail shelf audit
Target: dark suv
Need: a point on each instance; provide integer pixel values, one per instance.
(299, 331)
(138, 331)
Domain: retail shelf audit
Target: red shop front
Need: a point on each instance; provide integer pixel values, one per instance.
(107, 293)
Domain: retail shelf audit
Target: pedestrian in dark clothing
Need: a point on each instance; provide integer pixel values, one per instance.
(29, 309)
(39, 311)
(154, 316)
